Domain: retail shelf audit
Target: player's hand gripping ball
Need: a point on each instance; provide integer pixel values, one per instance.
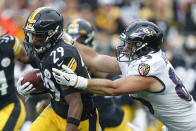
(30, 82)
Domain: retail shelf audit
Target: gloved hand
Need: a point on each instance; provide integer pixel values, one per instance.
(67, 38)
(69, 78)
(24, 89)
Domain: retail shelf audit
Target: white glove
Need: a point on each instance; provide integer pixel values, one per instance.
(67, 38)
(24, 89)
(69, 78)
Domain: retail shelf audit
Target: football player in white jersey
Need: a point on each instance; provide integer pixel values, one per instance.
(147, 74)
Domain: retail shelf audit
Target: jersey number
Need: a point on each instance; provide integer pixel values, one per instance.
(3, 83)
(6, 38)
(53, 53)
(180, 89)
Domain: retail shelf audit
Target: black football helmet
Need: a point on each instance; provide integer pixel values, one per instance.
(46, 24)
(144, 35)
(82, 31)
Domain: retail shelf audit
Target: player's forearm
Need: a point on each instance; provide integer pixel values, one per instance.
(74, 112)
(132, 84)
(102, 87)
(75, 109)
(22, 56)
(27, 59)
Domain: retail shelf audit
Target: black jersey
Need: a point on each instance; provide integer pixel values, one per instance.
(9, 48)
(110, 113)
(55, 57)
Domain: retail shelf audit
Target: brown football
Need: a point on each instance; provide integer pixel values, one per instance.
(34, 76)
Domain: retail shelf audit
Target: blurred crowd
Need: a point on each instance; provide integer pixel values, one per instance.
(109, 17)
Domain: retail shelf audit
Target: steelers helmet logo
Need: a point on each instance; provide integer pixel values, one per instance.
(47, 74)
(143, 69)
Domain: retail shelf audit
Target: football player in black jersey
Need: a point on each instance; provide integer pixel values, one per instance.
(12, 111)
(112, 117)
(70, 109)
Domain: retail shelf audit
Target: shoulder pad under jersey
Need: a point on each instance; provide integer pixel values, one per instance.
(148, 65)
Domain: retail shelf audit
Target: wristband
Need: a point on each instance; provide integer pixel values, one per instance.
(81, 83)
(73, 121)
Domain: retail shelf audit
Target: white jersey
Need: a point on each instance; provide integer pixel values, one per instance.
(173, 106)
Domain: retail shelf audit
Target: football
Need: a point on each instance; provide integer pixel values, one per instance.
(34, 76)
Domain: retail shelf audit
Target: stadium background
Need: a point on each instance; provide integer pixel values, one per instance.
(109, 17)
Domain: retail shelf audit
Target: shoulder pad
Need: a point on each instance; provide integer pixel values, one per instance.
(146, 66)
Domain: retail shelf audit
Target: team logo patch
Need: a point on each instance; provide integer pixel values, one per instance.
(143, 69)
(47, 74)
(5, 62)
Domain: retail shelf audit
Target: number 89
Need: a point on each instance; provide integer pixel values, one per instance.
(180, 89)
